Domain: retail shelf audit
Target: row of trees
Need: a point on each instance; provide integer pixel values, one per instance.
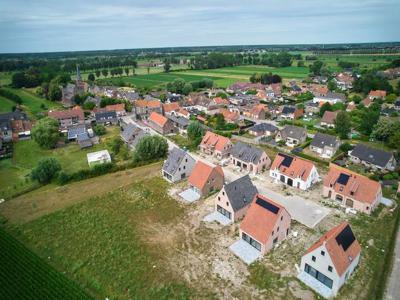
(265, 78)
(180, 86)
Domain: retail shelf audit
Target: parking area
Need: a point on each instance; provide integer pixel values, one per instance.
(217, 217)
(189, 195)
(245, 251)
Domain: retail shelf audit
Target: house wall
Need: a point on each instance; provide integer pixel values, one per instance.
(297, 182)
(185, 167)
(391, 165)
(217, 153)
(364, 207)
(322, 263)
(324, 152)
(214, 182)
(264, 163)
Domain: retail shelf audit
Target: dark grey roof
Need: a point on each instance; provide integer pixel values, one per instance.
(291, 131)
(321, 140)
(106, 116)
(240, 192)
(132, 131)
(332, 95)
(179, 120)
(288, 110)
(15, 115)
(74, 131)
(372, 155)
(263, 127)
(246, 152)
(175, 158)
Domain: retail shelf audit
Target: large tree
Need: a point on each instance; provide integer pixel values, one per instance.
(45, 133)
(150, 147)
(46, 170)
(91, 77)
(343, 124)
(195, 132)
(315, 67)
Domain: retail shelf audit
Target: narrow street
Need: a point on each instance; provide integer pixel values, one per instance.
(393, 282)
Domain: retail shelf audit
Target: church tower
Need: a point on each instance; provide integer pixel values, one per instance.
(78, 74)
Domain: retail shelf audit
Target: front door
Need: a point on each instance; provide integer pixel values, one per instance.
(349, 203)
(282, 178)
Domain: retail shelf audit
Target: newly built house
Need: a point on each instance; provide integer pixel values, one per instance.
(352, 190)
(265, 224)
(161, 124)
(329, 262)
(206, 179)
(294, 171)
(249, 158)
(234, 198)
(215, 145)
(178, 165)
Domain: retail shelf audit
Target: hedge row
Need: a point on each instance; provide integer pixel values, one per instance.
(10, 96)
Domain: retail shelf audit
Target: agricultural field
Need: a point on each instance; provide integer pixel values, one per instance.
(6, 105)
(136, 241)
(15, 171)
(24, 275)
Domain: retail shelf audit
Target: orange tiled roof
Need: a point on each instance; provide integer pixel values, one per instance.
(358, 187)
(298, 168)
(377, 94)
(329, 117)
(201, 172)
(258, 108)
(183, 112)
(158, 119)
(211, 139)
(173, 106)
(367, 102)
(259, 222)
(229, 115)
(341, 259)
(66, 114)
(148, 103)
(220, 101)
(115, 107)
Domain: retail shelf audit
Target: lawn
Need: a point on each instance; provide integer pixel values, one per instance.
(31, 103)
(5, 78)
(15, 171)
(6, 105)
(24, 275)
(103, 243)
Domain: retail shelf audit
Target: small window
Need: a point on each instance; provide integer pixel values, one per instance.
(323, 253)
(219, 198)
(227, 203)
(281, 218)
(313, 258)
(272, 232)
(223, 193)
(277, 229)
(367, 207)
(330, 269)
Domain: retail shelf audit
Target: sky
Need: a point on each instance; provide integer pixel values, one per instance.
(54, 25)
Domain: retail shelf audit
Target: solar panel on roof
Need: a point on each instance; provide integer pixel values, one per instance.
(345, 238)
(343, 178)
(267, 205)
(287, 161)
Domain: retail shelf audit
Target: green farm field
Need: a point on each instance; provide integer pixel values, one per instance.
(15, 171)
(104, 244)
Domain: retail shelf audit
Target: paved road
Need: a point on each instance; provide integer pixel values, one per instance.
(393, 284)
(302, 210)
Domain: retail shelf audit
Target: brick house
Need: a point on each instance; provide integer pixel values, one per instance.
(161, 124)
(67, 118)
(216, 145)
(249, 158)
(206, 179)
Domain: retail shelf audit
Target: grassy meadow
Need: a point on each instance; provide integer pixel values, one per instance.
(15, 171)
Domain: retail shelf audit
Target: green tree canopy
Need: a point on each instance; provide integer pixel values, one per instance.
(45, 133)
(343, 124)
(150, 147)
(195, 132)
(46, 170)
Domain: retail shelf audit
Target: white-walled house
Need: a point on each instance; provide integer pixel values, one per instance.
(329, 263)
(294, 171)
(178, 165)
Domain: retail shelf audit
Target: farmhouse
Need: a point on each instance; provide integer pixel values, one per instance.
(132, 134)
(99, 157)
(265, 224)
(373, 158)
(161, 124)
(206, 179)
(106, 117)
(178, 165)
(169, 108)
(328, 119)
(263, 129)
(351, 189)
(330, 97)
(234, 198)
(68, 118)
(216, 145)
(292, 135)
(291, 113)
(330, 261)
(325, 145)
(344, 81)
(118, 108)
(143, 108)
(294, 171)
(249, 158)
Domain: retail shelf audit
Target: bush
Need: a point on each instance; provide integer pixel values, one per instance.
(150, 148)
(45, 133)
(10, 96)
(46, 170)
(99, 130)
(345, 147)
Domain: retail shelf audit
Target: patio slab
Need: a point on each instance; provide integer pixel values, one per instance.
(245, 251)
(317, 286)
(189, 195)
(216, 216)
